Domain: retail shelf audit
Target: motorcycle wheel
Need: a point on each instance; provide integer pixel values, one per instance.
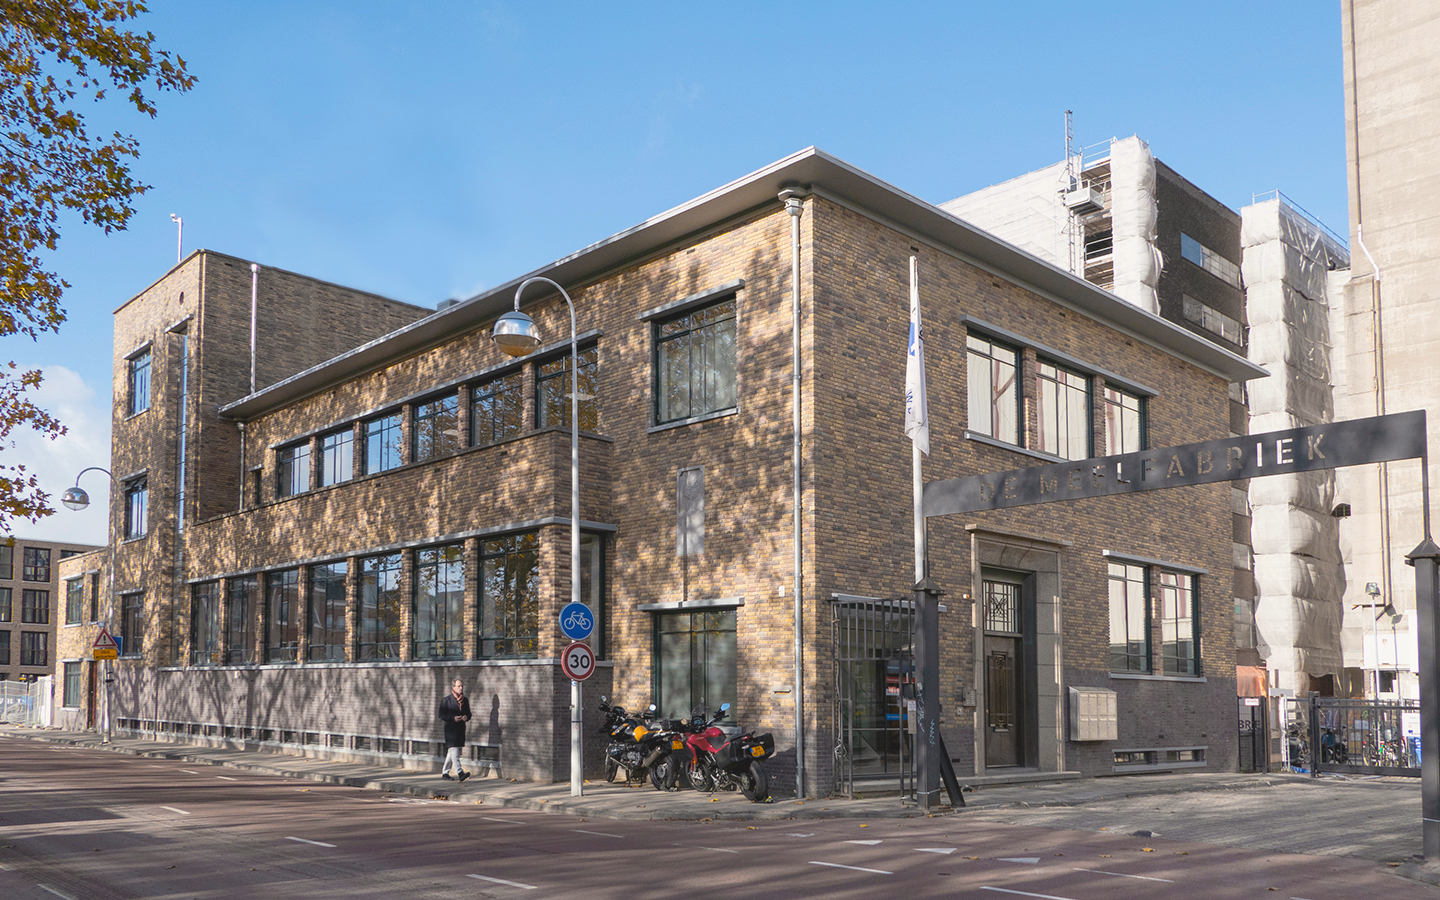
(700, 776)
(662, 774)
(611, 767)
(754, 783)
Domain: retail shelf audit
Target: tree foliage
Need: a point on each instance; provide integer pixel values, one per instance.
(56, 55)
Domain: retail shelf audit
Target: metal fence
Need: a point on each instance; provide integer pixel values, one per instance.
(874, 679)
(1353, 737)
(26, 703)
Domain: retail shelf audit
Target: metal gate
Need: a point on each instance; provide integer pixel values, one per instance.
(1254, 735)
(873, 648)
(1354, 737)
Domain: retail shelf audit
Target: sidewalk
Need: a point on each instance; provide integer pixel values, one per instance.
(617, 801)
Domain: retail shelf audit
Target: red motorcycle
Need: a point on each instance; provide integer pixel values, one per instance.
(716, 762)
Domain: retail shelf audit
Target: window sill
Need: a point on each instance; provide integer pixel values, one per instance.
(1015, 448)
(1143, 676)
(134, 539)
(693, 420)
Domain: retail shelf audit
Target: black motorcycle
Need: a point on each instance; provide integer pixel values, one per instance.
(640, 745)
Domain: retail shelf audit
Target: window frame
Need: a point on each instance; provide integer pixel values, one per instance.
(1140, 411)
(497, 405)
(34, 606)
(1055, 379)
(284, 615)
(138, 382)
(552, 390)
(994, 402)
(516, 610)
(712, 691)
(383, 442)
(35, 649)
(242, 603)
(292, 469)
(439, 631)
(5, 647)
(71, 683)
(429, 438)
(660, 409)
(132, 623)
(206, 636)
(382, 600)
(7, 562)
(7, 605)
(1135, 662)
(137, 508)
(1173, 626)
(75, 600)
(35, 564)
(336, 457)
(328, 597)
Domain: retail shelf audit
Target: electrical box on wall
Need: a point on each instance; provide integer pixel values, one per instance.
(1094, 715)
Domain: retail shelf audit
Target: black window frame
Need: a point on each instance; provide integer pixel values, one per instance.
(7, 605)
(71, 684)
(382, 601)
(35, 564)
(430, 438)
(682, 326)
(336, 457)
(137, 508)
(328, 607)
(243, 599)
(138, 382)
(552, 390)
(35, 649)
(7, 561)
(438, 602)
(497, 409)
(292, 469)
(508, 623)
(206, 636)
(5, 648)
(384, 442)
(132, 623)
(1061, 378)
(75, 600)
(1131, 661)
(1173, 663)
(284, 615)
(34, 606)
(1113, 398)
(714, 623)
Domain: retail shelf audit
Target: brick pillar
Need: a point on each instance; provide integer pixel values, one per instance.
(472, 598)
(352, 608)
(407, 607)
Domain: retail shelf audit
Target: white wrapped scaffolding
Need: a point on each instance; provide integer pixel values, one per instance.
(1133, 213)
(1299, 578)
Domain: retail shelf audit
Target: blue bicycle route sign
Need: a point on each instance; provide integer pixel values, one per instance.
(576, 621)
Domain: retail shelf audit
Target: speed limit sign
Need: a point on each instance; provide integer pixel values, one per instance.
(578, 661)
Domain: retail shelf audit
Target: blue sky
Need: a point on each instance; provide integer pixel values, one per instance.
(427, 150)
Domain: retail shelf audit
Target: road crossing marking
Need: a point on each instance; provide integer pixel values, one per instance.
(1024, 893)
(226, 778)
(1028, 860)
(189, 771)
(174, 810)
(945, 850)
(793, 834)
(528, 887)
(851, 868)
(1124, 875)
(866, 843)
(305, 841)
(599, 833)
(46, 887)
(698, 847)
(506, 821)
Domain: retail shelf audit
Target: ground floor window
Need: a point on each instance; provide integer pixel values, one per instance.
(381, 598)
(1129, 619)
(4, 648)
(205, 623)
(1179, 623)
(510, 596)
(70, 692)
(440, 602)
(282, 609)
(242, 600)
(695, 662)
(327, 612)
(131, 623)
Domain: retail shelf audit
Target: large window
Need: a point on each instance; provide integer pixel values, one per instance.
(695, 661)
(497, 409)
(7, 562)
(994, 398)
(74, 601)
(592, 588)
(205, 623)
(382, 443)
(1179, 623)
(1129, 618)
(6, 613)
(137, 501)
(294, 469)
(695, 363)
(282, 612)
(36, 564)
(327, 612)
(34, 648)
(242, 601)
(132, 623)
(437, 427)
(552, 391)
(35, 607)
(70, 696)
(1063, 407)
(1124, 422)
(510, 595)
(1211, 319)
(4, 648)
(381, 597)
(440, 602)
(139, 383)
(337, 457)
(1209, 260)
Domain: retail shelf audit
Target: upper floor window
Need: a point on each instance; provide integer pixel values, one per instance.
(7, 562)
(139, 382)
(497, 409)
(35, 564)
(695, 363)
(1179, 623)
(1211, 319)
(552, 392)
(5, 612)
(437, 427)
(34, 648)
(35, 607)
(137, 499)
(294, 469)
(74, 601)
(382, 443)
(1124, 422)
(1129, 618)
(1209, 260)
(1063, 411)
(337, 457)
(994, 396)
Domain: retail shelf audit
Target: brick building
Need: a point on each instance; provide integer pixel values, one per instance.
(31, 598)
(312, 556)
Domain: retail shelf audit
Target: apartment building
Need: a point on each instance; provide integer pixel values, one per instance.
(31, 593)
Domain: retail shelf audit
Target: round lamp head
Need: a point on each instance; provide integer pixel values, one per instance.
(515, 333)
(75, 498)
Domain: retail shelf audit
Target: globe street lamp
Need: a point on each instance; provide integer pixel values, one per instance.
(517, 335)
(77, 499)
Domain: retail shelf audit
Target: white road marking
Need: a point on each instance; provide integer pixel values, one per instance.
(506, 821)
(599, 833)
(189, 771)
(792, 834)
(1028, 860)
(528, 887)
(46, 887)
(945, 850)
(316, 843)
(866, 843)
(851, 868)
(1024, 893)
(174, 810)
(1123, 875)
(226, 778)
(698, 847)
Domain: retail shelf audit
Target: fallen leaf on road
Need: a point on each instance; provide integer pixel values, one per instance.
(1147, 849)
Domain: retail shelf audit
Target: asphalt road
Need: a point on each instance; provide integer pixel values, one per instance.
(93, 825)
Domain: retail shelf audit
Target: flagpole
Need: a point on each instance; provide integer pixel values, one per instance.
(916, 482)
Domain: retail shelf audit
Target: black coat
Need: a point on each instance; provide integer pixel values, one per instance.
(450, 712)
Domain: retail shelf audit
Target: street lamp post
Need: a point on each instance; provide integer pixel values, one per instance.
(517, 335)
(75, 498)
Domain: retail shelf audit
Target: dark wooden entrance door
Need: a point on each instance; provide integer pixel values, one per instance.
(1005, 714)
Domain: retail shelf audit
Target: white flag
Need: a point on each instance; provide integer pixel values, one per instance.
(917, 413)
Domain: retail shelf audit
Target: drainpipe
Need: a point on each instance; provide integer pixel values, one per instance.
(795, 206)
(254, 293)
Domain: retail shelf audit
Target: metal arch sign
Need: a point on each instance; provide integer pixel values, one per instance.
(577, 661)
(1307, 449)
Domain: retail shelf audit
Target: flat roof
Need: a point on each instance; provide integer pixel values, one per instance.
(811, 171)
